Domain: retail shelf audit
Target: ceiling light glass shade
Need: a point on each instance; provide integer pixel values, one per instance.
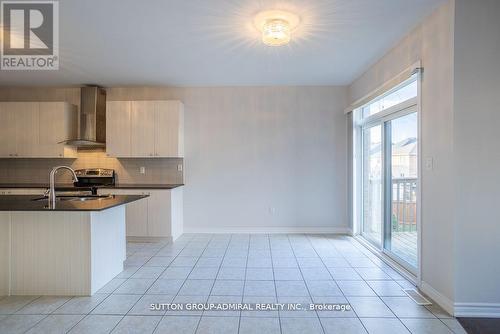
(276, 32)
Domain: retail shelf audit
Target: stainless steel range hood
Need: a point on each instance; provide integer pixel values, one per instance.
(92, 119)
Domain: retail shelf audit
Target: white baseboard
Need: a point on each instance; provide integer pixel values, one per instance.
(270, 230)
(466, 310)
(438, 297)
(477, 310)
(149, 239)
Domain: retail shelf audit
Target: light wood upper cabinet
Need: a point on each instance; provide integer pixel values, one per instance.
(142, 129)
(19, 129)
(118, 128)
(58, 122)
(27, 129)
(35, 129)
(169, 129)
(8, 128)
(142, 134)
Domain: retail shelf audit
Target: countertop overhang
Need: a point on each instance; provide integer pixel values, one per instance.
(69, 186)
(29, 203)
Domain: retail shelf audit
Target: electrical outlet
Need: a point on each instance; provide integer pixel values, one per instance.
(272, 211)
(429, 163)
(142, 170)
(179, 168)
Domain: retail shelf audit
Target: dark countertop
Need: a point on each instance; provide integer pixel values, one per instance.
(28, 203)
(70, 186)
(144, 186)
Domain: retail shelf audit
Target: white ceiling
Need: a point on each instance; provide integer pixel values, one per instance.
(213, 42)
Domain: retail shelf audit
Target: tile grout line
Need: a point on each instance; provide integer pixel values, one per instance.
(142, 266)
(158, 278)
(321, 259)
(372, 290)
(110, 294)
(123, 317)
(359, 246)
(274, 281)
(218, 270)
(304, 280)
(244, 281)
(90, 312)
(258, 245)
(164, 315)
(199, 320)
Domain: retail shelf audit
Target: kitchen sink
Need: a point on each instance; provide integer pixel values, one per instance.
(79, 198)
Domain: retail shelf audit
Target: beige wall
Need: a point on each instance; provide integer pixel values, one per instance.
(252, 149)
(477, 156)
(431, 42)
(257, 158)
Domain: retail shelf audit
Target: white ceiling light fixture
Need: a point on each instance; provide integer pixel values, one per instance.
(276, 26)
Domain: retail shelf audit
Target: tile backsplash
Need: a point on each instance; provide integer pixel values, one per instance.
(158, 170)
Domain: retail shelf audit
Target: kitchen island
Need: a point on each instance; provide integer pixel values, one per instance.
(73, 249)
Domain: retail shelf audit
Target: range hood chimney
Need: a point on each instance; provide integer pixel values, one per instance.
(92, 118)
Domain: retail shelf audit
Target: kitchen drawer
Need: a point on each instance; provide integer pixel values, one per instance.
(22, 191)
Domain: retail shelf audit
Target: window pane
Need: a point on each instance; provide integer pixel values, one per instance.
(372, 183)
(404, 175)
(402, 94)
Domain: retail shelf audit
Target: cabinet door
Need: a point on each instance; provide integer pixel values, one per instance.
(168, 126)
(52, 123)
(136, 213)
(7, 130)
(159, 213)
(137, 216)
(142, 140)
(118, 128)
(27, 128)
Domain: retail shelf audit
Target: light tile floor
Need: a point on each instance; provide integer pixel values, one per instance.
(225, 268)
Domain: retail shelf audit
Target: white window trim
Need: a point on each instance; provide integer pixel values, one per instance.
(389, 113)
(386, 87)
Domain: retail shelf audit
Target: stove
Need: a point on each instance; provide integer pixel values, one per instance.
(95, 177)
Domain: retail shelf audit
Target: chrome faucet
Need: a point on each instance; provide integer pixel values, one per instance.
(52, 189)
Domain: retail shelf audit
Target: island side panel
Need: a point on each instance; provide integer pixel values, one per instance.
(4, 253)
(50, 253)
(108, 245)
(177, 213)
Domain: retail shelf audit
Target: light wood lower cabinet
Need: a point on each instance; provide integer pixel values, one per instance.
(158, 216)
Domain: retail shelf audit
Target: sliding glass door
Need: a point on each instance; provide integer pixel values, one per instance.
(400, 237)
(389, 174)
